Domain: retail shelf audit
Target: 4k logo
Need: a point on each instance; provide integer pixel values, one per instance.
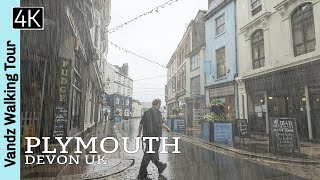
(28, 18)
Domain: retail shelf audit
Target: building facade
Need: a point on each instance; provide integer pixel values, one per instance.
(220, 54)
(119, 91)
(279, 61)
(185, 72)
(59, 69)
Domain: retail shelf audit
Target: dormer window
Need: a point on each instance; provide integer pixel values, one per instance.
(256, 6)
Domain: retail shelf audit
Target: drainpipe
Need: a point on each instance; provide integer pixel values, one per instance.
(308, 111)
(237, 55)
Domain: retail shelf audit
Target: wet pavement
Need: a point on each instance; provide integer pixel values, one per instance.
(196, 162)
(87, 167)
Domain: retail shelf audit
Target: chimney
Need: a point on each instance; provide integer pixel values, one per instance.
(209, 2)
(125, 69)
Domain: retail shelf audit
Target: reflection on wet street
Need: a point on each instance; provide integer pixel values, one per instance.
(195, 162)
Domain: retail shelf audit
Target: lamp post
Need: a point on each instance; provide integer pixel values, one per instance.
(104, 99)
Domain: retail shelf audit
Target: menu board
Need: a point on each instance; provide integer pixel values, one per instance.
(60, 122)
(181, 125)
(283, 134)
(242, 127)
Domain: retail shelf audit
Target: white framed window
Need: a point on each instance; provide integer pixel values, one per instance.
(220, 25)
(256, 6)
(303, 30)
(195, 62)
(221, 62)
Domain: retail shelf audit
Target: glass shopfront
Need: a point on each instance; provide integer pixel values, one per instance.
(314, 97)
(293, 93)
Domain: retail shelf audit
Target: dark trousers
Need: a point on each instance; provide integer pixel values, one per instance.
(147, 157)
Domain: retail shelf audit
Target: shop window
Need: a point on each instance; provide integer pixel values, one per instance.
(256, 6)
(258, 56)
(117, 100)
(303, 32)
(220, 25)
(221, 63)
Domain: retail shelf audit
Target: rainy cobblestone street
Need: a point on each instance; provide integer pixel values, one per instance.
(200, 161)
(197, 160)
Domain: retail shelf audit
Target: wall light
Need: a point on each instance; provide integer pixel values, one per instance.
(270, 97)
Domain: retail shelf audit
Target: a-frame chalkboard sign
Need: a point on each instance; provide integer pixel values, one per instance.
(283, 135)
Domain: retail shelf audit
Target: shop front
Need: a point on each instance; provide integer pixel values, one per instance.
(292, 92)
(226, 94)
(195, 108)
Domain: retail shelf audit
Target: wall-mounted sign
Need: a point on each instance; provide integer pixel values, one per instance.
(62, 103)
(221, 92)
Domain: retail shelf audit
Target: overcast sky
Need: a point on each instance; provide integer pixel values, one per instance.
(154, 36)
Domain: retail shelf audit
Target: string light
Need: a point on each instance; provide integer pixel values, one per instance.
(155, 77)
(156, 9)
(135, 54)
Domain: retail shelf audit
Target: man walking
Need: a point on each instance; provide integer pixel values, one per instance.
(152, 125)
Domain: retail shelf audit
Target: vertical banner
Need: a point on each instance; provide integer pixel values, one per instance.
(10, 93)
(61, 111)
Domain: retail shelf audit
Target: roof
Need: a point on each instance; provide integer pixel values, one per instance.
(116, 69)
(214, 6)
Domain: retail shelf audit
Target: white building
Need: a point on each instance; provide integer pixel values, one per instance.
(279, 52)
(185, 83)
(96, 80)
(119, 90)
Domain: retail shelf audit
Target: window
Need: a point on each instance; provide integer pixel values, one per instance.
(257, 49)
(174, 84)
(124, 91)
(119, 89)
(220, 25)
(221, 66)
(195, 85)
(304, 40)
(124, 81)
(96, 31)
(255, 6)
(119, 78)
(76, 93)
(129, 92)
(117, 100)
(194, 62)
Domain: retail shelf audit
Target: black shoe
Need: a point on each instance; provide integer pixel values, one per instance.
(162, 168)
